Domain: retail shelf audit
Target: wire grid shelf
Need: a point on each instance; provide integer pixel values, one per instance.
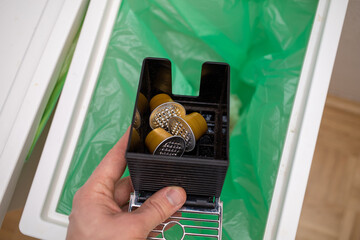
(191, 225)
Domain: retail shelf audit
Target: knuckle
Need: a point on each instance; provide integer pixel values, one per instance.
(158, 207)
(77, 196)
(72, 217)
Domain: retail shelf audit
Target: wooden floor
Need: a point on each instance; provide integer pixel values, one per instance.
(331, 207)
(332, 202)
(10, 227)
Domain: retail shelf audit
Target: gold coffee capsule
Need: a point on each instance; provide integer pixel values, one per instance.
(137, 119)
(142, 104)
(162, 108)
(135, 139)
(160, 142)
(191, 128)
(159, 99)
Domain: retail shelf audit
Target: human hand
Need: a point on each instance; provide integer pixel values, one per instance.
(100, 206)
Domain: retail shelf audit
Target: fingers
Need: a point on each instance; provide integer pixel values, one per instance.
(125, 208)
(123, 188)
(113, 165)
(160, 207)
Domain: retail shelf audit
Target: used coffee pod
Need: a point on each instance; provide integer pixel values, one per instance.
(137, 119)
(160, 142)
(191, 128)
(135, 139)
(142, 104)
(162, 108)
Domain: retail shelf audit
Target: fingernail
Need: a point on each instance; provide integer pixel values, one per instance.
(174, 196)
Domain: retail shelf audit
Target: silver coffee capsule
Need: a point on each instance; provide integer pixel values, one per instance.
(162, 109)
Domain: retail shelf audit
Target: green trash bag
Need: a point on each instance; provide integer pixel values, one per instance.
(264, 42)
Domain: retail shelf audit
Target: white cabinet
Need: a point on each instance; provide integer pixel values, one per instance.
(36, 38)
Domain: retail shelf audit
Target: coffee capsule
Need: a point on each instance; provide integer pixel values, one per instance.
(142, 105)
(159, 99)
(162, 108)
(160, 142)
(135, 139)
(191, 128)
(137, 119)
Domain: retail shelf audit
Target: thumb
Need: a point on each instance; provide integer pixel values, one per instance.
(160, 207)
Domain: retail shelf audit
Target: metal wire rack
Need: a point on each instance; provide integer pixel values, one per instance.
(199, 223)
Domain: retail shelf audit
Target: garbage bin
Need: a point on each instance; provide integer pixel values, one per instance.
(281, 56)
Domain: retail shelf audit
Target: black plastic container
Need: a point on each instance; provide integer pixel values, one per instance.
(202, 171)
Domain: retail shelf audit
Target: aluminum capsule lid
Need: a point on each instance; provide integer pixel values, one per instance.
(162, 113)
(179, 127)
(172, 146)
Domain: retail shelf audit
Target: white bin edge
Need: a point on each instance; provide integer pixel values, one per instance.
(40, 218)
(31, 89)
(305, 121)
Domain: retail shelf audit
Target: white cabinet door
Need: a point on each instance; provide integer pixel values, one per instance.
(39, 218)
(35, 38)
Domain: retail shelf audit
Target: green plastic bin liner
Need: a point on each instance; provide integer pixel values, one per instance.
(264, 42)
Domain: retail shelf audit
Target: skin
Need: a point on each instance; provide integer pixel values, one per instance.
(100, 205)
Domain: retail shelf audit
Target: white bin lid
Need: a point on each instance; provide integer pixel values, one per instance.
(35, 35)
